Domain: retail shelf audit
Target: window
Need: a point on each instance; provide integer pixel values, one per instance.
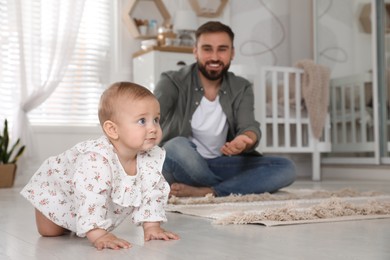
(75, 100)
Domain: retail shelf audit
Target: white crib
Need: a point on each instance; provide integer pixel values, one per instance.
(284, 121)
(353, 116)
(351, 113)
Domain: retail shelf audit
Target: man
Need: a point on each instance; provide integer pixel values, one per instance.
(209, 129)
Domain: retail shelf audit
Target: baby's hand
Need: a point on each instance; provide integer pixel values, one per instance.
(153, 231)
(110, 241)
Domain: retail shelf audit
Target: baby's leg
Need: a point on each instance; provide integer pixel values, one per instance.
(46, 227)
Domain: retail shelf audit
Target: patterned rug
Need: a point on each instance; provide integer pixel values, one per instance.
(286, 207)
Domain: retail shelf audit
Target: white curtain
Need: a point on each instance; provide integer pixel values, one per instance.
(47, 32)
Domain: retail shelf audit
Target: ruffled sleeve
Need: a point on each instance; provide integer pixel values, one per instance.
(154, 188)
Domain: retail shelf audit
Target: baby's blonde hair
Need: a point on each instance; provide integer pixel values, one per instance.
(116, 93)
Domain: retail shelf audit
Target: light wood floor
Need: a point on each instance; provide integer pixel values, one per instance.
(368, 239)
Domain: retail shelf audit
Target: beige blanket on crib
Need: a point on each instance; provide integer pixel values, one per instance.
(315, 93)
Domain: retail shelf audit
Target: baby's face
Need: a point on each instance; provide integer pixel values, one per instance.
(139, 123)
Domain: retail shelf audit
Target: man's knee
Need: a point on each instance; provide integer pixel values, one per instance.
(176, 143)
(291, 169)
(179, 148)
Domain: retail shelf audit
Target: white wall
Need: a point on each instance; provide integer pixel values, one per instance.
(343, 46)
(271, 32)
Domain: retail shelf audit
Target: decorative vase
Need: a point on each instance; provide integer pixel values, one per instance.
(7, 175)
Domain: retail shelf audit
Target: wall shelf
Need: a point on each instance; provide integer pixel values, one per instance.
(200, 11)
(130, 23)
(365, 18)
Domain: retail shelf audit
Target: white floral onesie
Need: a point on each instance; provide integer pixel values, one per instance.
(86, 187)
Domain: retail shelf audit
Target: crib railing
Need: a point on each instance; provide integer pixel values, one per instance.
(284, 120)
(351, 114)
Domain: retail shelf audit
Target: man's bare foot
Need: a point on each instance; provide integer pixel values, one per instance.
(184, 190)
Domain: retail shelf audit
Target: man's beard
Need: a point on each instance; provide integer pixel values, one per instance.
(213, 75)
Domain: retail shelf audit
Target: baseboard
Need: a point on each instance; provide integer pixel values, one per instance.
(365, 170)
(355, 172)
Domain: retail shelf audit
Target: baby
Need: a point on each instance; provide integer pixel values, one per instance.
(91, 188)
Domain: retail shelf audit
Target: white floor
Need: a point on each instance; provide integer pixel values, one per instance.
(368, 239)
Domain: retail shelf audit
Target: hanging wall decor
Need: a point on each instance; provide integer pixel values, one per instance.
(209, 9)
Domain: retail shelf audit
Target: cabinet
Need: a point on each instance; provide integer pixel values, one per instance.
(148, 65)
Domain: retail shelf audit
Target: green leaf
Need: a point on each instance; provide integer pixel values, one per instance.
(5, 155)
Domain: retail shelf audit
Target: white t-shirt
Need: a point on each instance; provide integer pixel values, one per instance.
(209, 128)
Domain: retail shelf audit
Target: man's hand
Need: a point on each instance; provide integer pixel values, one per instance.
(237, 145)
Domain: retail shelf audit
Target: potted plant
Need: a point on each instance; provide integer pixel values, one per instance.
(8, 158)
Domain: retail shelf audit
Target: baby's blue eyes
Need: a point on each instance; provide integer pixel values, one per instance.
(142, 121)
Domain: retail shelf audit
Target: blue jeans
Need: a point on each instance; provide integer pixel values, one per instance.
(240, 174)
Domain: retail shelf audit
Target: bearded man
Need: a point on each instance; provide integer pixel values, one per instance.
(209, 129)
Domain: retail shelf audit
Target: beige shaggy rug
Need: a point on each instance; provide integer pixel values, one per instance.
(286, 207)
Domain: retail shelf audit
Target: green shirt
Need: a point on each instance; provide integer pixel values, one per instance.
(180, 93)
